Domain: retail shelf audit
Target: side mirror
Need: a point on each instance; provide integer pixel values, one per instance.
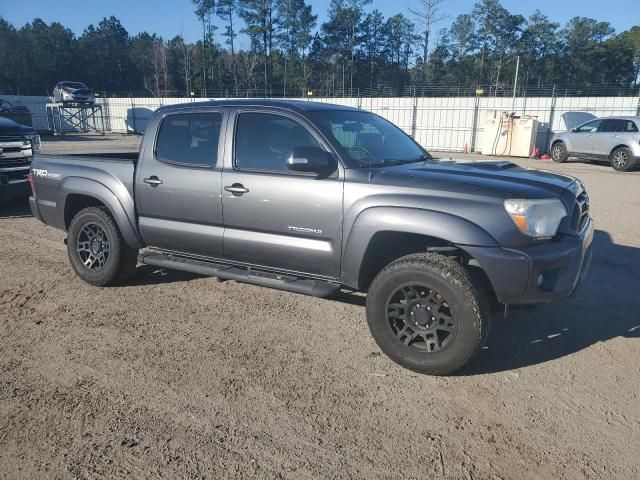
(309, 159)
(574, 129)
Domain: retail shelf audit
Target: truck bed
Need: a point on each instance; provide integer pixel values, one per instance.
(124, 156)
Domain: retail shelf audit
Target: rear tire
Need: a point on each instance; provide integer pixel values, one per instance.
(425, 313)
(622, 159)
(97, 251)
(559, 152)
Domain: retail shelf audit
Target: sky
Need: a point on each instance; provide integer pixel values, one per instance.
(172, 17)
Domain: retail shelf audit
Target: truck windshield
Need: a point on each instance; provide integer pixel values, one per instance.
(369, 140)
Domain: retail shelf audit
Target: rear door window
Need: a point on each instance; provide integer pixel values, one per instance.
(189, 139)
(607, 126)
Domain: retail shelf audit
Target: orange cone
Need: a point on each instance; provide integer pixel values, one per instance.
(535, 152)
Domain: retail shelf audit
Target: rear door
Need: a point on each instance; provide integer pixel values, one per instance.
(178, 183)
(628, 132)
(275, 217)
(606, 138)
(582, 138)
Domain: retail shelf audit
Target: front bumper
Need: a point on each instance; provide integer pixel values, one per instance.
(543, 273)
(19, 188)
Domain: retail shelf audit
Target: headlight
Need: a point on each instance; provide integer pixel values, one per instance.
(536, 218)
(35, 143)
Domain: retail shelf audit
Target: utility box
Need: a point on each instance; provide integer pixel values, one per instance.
(507, 135)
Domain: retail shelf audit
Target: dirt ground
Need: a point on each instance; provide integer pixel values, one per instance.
(178, 376)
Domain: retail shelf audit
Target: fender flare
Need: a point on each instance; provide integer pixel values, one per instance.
(124, 215)
(371, 221)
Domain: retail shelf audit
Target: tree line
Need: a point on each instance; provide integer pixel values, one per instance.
(356, 49)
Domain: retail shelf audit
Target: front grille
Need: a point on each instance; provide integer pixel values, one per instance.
(14, 148)
(13, 163)
(580, 211)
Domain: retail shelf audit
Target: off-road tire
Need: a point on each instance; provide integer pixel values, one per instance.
(622, 159)
(467, 303)
(559, 152)
(121, 261)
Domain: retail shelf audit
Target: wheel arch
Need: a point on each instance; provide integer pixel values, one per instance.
(380, 235)
(617, 147)
(79, 193)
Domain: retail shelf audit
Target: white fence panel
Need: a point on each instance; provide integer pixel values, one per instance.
(437, 123)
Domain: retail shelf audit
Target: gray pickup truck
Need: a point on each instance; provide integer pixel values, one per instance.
(311, 198)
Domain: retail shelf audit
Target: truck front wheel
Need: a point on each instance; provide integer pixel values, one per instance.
(97, 251)
(425, 313)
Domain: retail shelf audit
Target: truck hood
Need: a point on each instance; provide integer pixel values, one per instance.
(506, 176)
(9, 128)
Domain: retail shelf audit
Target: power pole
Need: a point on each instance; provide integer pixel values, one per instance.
(515, 85)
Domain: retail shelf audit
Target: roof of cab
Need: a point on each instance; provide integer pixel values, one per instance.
(295, 105)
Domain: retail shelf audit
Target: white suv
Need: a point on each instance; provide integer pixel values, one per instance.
(615, 139)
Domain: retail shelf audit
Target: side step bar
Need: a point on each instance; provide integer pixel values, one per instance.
(305, 286)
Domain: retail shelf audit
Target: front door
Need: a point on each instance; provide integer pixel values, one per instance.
(275, 217)
(582, 138)
(178, 184)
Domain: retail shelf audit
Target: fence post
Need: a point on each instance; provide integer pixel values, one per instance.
(107, 112)
(414, 114)
(552, 113)
(133, 115)
(638, 107)
(474, 128)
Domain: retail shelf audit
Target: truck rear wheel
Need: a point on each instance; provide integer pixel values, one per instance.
(97, 251)
(425, 313)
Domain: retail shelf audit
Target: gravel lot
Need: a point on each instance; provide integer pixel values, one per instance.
(177, 375)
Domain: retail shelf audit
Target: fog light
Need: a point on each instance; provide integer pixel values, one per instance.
(540, 280)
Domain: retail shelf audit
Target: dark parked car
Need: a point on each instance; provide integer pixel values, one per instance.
(310, 198)
(18, 113)
(73, 93)
(17, 146)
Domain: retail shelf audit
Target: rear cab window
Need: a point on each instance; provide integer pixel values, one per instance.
(189, 139)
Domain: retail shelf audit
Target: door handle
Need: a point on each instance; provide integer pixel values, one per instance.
(236, 189)
(153, 181)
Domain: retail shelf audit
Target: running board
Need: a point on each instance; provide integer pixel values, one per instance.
(291, 283)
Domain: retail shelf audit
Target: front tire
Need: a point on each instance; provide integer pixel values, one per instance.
(559, 152)
(622, 159)
(425, 313)
(97, 251)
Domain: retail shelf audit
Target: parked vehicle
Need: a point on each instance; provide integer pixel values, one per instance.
(310, 198)
(18, 113)
(73, 93)
(17, 146)
(614, 139)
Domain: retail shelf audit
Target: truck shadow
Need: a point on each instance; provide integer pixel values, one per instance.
(151, 275)
(10, 208)
(606, 306)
